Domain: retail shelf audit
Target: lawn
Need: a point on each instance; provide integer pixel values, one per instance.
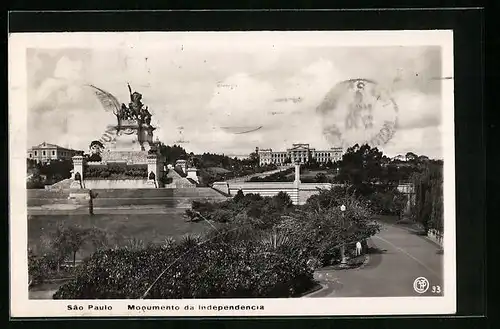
(145, 227)
(306, 173)
(217, 170)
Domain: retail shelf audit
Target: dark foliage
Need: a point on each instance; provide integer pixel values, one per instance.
(191, 269)
(319, 228)
(48, 173)
(428, 206)
(172, 153)
(116, 171)
(263, 212)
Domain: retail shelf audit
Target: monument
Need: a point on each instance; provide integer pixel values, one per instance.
(128, 145)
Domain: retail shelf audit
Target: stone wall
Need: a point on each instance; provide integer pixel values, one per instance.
(265, 189)
(299, 193)
(117, 184)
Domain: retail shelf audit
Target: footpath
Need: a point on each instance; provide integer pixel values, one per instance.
(398, 257)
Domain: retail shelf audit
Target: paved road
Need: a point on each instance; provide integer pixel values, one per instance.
(402, 257)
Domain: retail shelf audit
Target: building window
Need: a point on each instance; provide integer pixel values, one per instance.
(43, 152)
(53, 152)
(36, 153)
(30, 155)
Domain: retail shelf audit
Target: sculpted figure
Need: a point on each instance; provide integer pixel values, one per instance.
(124, 113)
(135, 105)
(145, 116)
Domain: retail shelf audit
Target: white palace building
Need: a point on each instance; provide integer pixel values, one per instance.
(299, 153)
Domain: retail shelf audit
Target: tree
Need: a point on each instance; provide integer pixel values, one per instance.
(329, 164)
(312, 163)
(321, 178)
(428, 206)
(239, 196)
(254, 159)
(361, 164)
(66, 241)
(321, 228)
(410, 156)
(35, 181)
(172, 153)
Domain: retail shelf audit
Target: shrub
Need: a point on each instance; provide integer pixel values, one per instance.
(44, 267)
(320, 178)
(222, 215)
(38, 267)
(319, 228)
(214, 270)
(35, 182)
(282, 200)
(116, 171)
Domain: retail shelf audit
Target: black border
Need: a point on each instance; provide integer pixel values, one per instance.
(468, 27)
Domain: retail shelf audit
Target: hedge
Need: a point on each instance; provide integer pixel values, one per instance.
(214, 270)
(116, 171)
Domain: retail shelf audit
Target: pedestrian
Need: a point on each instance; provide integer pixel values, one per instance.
(358, 248)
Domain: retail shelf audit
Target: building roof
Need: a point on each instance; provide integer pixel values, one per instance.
(49, 145)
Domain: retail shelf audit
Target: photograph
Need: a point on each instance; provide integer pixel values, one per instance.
(258, 173)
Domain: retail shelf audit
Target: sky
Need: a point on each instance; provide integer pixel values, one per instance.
(204, 97)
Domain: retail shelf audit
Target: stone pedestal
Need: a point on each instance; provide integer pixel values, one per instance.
(297, 174)
(154, 170)
(193, 174)
(77, 171)
(130, 135)
(145, 136)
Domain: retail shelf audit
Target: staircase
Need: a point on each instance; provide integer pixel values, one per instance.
(178, 181)
(41, 197)
(61, 185)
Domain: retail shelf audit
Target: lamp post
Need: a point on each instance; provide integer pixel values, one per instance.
(343, 262)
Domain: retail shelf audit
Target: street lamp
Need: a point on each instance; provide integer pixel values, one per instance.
(343, 262)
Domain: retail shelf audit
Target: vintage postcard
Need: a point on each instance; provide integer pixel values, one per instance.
(232, 174)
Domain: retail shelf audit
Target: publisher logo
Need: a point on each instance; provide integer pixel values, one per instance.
(421, 285)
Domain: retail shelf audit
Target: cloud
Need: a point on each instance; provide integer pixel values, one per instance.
(204, 91)
(422, 141)
(417, 110)
(59, 88)
(240, 100)
(68, 70)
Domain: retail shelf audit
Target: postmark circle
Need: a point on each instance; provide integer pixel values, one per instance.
(421, 285)
(358, 111)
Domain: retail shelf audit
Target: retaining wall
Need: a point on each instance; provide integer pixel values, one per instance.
(117, 184)
(299, 193)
